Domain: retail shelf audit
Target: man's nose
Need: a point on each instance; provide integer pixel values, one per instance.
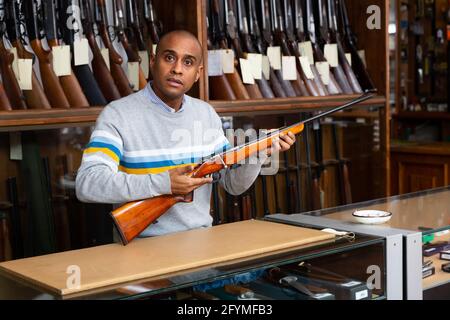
(177, 67)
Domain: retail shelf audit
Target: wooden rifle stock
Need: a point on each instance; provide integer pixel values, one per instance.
(36, 98)
(52, 86)
(134, 217)
(10, 83)
(71, 86)
(116, 60)
(99, 67)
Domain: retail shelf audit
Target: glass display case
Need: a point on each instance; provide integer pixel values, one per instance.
(422, 219)
(345, 268)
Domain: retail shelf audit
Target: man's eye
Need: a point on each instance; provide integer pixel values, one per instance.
(188, 62)
(170, 58)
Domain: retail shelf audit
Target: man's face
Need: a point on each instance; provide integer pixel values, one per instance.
(177, 66)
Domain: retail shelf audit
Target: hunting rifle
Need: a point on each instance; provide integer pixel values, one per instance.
(134, 217)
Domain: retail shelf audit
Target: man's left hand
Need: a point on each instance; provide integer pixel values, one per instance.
(282, 144)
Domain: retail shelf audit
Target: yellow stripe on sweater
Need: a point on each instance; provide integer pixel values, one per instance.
(106, 151)
(152, 170)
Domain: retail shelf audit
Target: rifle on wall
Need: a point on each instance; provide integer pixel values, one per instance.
(219, 86)
(130, 48)
(336, 38)
(118, 74)
(305, 10)
(248, 47)
(10, 82)
(36, 98)
(70, 12)
(314, 85)
(69, 83)
(350, 43)
(134, 217)
(99, 67)
(232, 33)
(324, 38)
(52, 86)
(280, 87)
(280, 39)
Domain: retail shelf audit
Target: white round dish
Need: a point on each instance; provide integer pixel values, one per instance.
(371, 216)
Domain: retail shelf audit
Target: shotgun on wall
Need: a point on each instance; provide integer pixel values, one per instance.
(134, 217)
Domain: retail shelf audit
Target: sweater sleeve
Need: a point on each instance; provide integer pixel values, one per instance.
(99, 179)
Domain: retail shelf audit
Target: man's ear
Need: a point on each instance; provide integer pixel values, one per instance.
(199, 72)
(152, 61)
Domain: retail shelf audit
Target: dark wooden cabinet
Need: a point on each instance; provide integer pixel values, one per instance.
(419, 166)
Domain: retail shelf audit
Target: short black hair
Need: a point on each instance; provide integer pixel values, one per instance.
(184, 33)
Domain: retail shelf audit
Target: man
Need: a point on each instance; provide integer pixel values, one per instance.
(144, 144)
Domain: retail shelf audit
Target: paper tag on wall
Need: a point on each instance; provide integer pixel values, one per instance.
(25, 67)
(331, 54)
(215, 63)
(81, 52)
(256, 64)
(362, 54)
(144, 62)
(266, 67)
(15, 67)
(228, 61)
(349, 58)
(306, 50)
(289, 68)
(154, 46)
(15, 146)
(105, 55)
(306, 66)
(61, 61)
(274, 54)
(133, 75)
(324, 70)
(246, 69)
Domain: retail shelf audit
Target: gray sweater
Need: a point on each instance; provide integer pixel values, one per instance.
(137, 139)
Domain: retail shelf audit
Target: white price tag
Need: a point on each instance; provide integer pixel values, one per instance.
(133, 75)
(289, 68)
(15, 145)
(362, 54)
(266, 67)
(61, 61)
(349, 58)
(331, 54)
(351, 284)
(246, 69)
(154, 46)
(25, 67)
(255, 60)
(362, 295)
(306, 50)
(274, 54)
(324, 70)
(81, 52)
(228, 61)
(214, 63)
(306, 66)
(144, 62)
(105, 55)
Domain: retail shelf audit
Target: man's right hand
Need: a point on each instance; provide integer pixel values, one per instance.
(182, 184)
